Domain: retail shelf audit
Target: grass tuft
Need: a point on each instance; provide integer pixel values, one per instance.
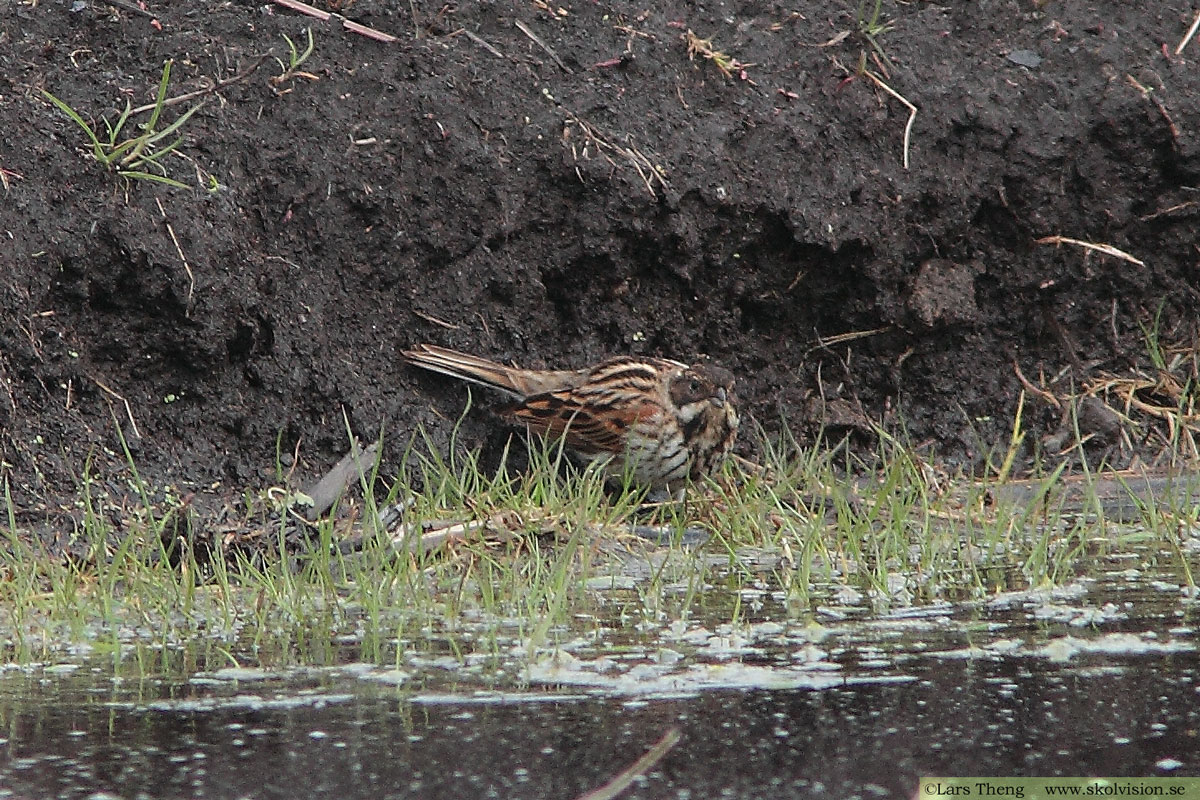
(871, 27)
(291, 70)
(133, 157)
(536, 554)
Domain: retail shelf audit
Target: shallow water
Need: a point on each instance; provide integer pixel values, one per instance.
(1101, 676)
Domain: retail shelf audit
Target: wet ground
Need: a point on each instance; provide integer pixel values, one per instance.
(1099, 677)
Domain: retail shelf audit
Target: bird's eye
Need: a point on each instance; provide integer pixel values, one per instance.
(694, 386)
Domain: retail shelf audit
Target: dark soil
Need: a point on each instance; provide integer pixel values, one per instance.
(574, 188)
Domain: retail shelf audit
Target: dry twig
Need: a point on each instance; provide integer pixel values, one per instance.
(216, 87)
(128, 409)
(1188, 36)
(1107, 249)
(645, 168)
(533, 37)
(355, 465)
(1037, 391)
(353, 27)
(826, 342)
(5, 174)
(640, 767)
(430, 318)
(424, 537)
(186, 267)
(912, 110)
(479, 40)
(1162, 109)
(1165, 211)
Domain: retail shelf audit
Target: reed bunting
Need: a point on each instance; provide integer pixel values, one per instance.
(663, 421)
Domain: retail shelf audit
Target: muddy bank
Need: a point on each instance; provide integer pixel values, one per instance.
(552, 183)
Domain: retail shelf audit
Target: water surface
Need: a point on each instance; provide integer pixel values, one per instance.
(1101, 676)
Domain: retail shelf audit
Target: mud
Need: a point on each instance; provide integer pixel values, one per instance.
(551, 183)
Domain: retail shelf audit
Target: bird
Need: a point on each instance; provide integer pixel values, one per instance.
(658, 421)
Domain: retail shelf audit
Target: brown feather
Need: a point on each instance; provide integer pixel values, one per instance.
(662, 419)
(464, 366)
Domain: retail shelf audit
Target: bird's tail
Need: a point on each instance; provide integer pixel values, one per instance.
(519, 383)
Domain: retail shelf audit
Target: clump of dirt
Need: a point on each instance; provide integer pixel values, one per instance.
(554, 182)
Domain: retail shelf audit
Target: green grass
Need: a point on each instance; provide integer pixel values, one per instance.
(808, 525)
(133, 156)
(870, 24)
(296, 58)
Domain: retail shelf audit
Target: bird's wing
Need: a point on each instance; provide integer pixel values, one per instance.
(589, 428)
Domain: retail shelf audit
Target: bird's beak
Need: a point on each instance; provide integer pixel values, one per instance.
(720, 396)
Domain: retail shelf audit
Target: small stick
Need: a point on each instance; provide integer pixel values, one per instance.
(1188, 36)
(753, 467)
(430, 318)
(533, 37)
(826, 342)
(1036, 391)
(435, 539)
(640, 767)
(912, 110)
(1149, 95)
(207, 90)
(479, 40)
(878, 63)
(4, 175)
(354, 27)
(1177, 207)
(1170, 122)
(427, 537)
(128, 410)
(334, 482)
(186, 267)
(303, 8)
(1135, 83)
(363, 30)
(1107, 249)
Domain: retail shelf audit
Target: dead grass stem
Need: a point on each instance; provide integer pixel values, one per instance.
(1107, 249)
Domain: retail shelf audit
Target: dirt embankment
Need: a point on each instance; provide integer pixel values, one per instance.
(554, 182)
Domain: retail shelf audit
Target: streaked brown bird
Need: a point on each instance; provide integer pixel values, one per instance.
(661, 420)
